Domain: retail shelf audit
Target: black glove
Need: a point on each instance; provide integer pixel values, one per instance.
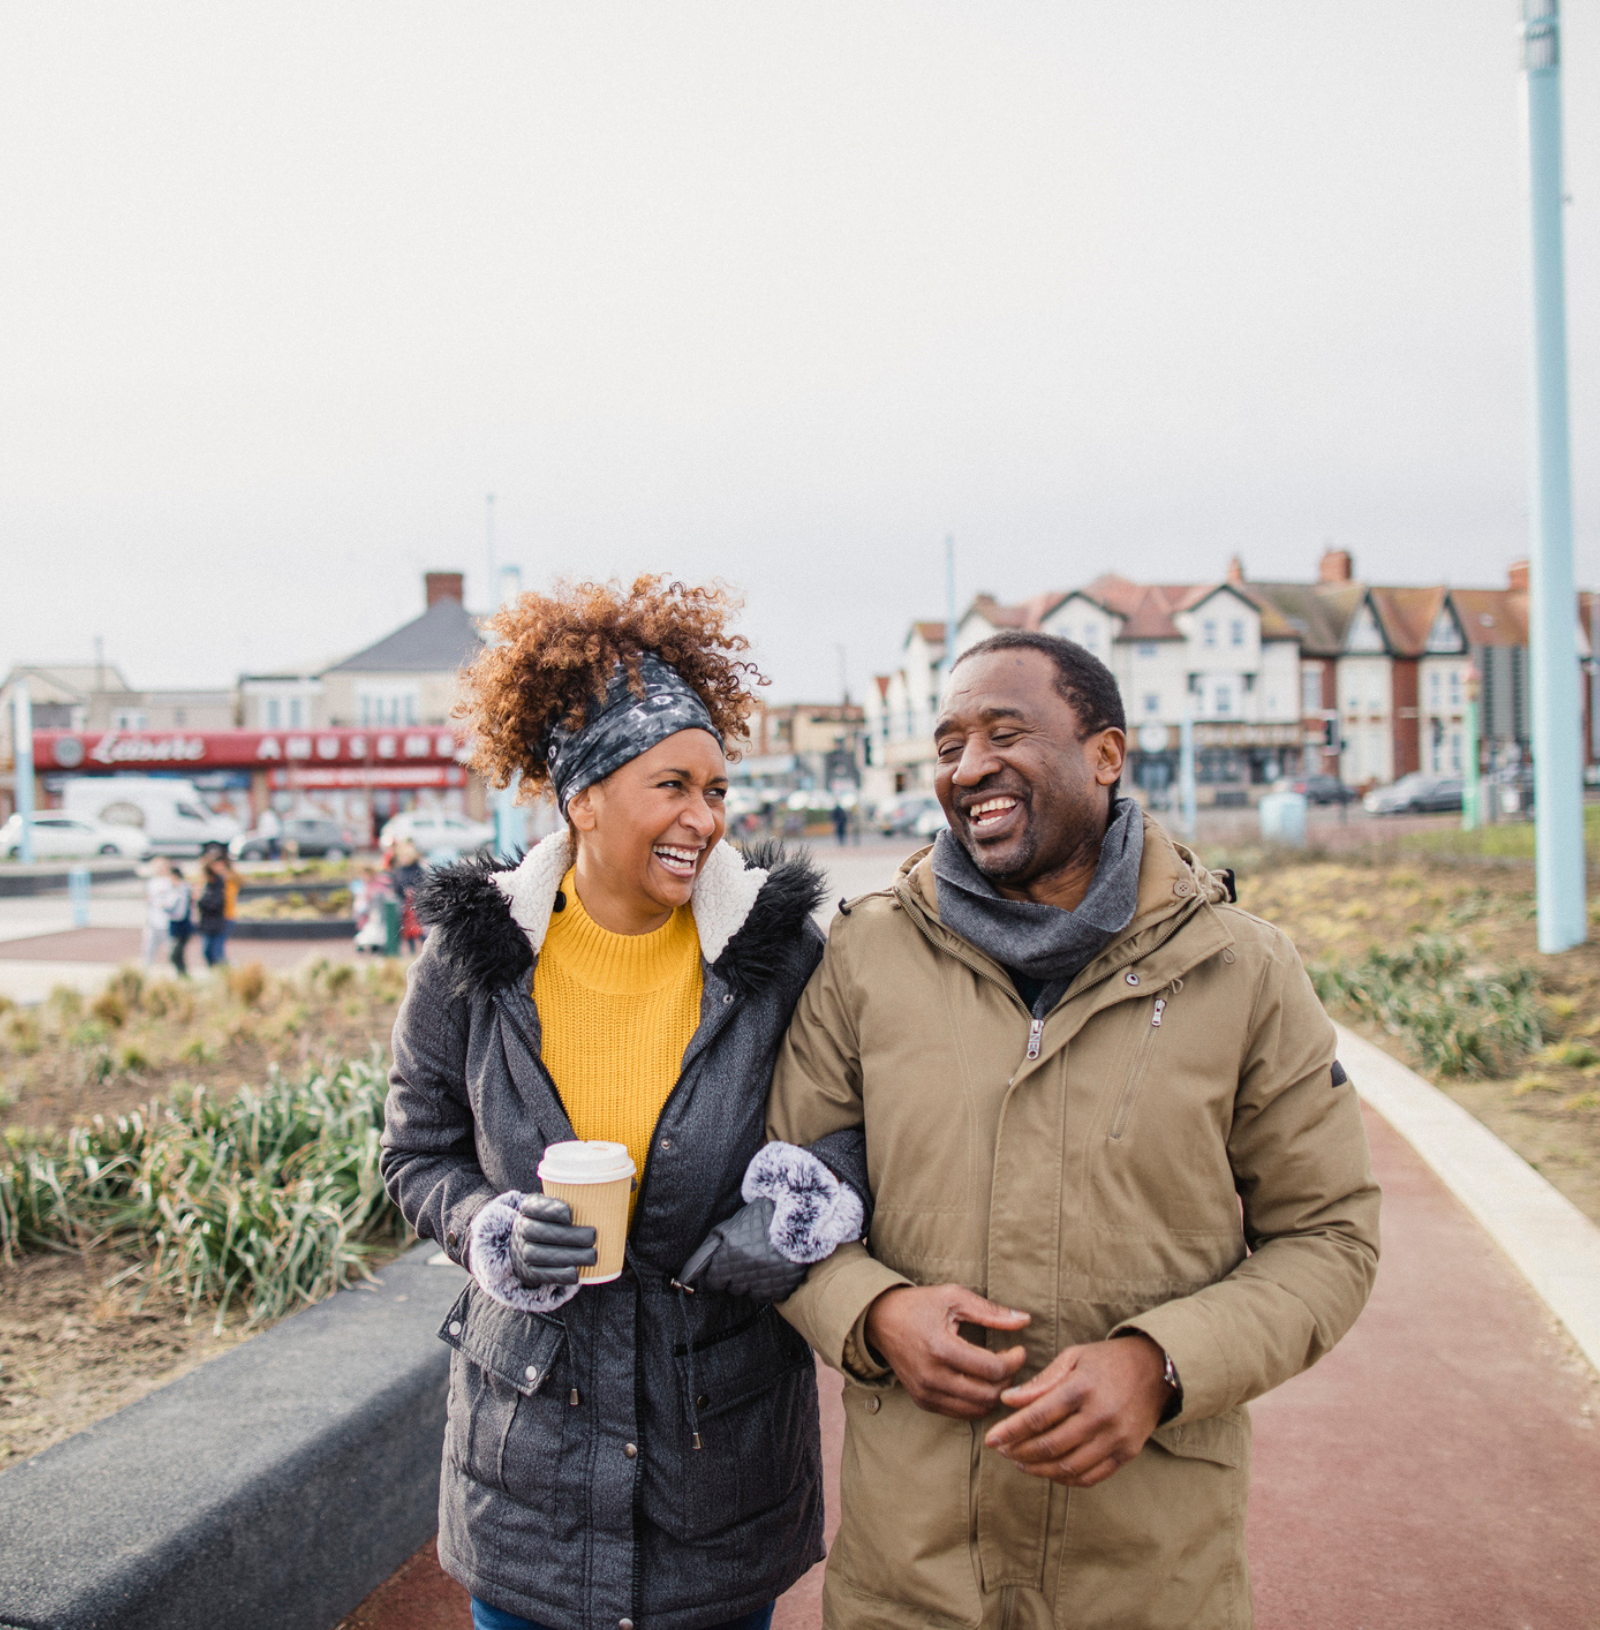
(738, 1256)
(546, 1249)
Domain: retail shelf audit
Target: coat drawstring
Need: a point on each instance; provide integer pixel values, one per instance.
(684, 1293)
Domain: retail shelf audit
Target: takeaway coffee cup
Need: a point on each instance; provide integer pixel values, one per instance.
(596, 1180)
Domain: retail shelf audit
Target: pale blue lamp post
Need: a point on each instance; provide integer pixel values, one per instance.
(1552, 610)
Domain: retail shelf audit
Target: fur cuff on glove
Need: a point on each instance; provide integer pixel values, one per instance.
(813, 1213)
(490, 1260)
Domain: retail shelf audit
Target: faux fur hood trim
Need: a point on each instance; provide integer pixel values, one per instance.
(491, 918)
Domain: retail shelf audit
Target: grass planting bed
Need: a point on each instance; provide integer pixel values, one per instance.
(182, 1166)
(1434, 957)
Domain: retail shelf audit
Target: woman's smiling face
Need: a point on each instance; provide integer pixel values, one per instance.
(645, 831)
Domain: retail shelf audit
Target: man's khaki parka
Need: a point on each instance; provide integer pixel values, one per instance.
(1175, 1158)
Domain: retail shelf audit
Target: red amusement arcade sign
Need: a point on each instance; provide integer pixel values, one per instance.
(97, 752)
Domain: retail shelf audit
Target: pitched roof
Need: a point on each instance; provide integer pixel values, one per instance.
(1407, 615)
(1492, 616)
(69, 681)
(1319, 613)
(441, 640)
(933, 633)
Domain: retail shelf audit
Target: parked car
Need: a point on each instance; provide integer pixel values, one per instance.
(166, 809)
(1415, 794)
(71, 837)
(432, 830)
(898, 817)
(1323, 789)
(313, 837)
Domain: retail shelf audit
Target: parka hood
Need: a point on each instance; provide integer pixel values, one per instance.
(490, 916)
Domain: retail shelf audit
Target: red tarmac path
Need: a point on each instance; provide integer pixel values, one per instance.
(1440, 1470)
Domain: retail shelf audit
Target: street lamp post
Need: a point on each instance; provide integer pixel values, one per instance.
(1552, 614)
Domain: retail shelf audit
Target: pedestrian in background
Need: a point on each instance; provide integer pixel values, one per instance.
(841, 824)
(180, 924)
(157, 912)
(213, 909)
(405, 878)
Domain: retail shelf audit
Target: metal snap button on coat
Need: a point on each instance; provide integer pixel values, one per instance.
(532, 1372)
(874, 1404)
(624, 1624)
(1132, 978)
(728, 998)
(631, 1450)
(666, 1143)
(455, 1327)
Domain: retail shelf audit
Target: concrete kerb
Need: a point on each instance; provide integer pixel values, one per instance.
(1553, 1245)
(275, 1486)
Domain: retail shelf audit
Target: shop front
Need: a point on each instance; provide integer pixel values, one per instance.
(356, 777)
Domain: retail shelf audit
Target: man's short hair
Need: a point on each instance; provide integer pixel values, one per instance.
(1083, 681)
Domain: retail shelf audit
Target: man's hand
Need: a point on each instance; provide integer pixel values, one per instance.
(1087, 1413)
(918, 1331)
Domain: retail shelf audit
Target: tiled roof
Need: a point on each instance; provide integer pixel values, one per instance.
(1492, 616)
(933, 633)
(441, 640)
(1407, 615)
(1319, 613)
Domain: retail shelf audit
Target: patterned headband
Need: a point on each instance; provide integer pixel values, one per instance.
(625, 726)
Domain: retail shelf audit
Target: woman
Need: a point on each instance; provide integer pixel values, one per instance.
(623, 1453)
(212, 907)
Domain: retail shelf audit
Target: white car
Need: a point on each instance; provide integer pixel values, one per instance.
(433, 830)
(71, 837)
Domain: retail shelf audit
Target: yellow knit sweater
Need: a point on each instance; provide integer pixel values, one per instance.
(616, 1012)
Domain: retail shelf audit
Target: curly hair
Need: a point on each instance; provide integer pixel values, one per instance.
(555, 654)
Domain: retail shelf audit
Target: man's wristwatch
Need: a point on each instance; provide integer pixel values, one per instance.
(1169, 1374)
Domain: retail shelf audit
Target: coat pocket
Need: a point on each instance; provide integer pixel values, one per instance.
(505, 1420)
(755, 1411)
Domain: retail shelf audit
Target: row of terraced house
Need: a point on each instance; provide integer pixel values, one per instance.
(1338, 676)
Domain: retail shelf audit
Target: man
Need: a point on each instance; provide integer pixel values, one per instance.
(1121, 1187)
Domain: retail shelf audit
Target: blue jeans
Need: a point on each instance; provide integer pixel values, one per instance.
(216, 947)
(485, 1617)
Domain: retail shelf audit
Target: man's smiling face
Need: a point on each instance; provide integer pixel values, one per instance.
(1027, 795)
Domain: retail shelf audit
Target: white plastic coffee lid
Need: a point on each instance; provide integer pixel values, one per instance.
(593, 1161)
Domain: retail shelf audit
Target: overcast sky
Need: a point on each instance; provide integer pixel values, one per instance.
(780, 293)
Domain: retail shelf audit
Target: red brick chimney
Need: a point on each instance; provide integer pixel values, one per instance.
(1236, 572)
(1517, 577)
(442, 586)
(1336, 566)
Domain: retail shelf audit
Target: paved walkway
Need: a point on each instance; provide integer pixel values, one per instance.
(1439, 1470)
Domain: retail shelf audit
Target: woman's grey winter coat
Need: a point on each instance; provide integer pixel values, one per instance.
(572, 1492)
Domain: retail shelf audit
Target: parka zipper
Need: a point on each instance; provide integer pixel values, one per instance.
(1141, 1060)
(1035, 1033)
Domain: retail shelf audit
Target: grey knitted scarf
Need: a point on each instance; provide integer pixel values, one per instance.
(1044, 943)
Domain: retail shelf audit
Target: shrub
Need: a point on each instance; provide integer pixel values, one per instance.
(110, 1007)
(248, 983)
(273, 1198)
(1461, 1020)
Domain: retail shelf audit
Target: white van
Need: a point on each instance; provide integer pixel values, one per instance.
(169, 812)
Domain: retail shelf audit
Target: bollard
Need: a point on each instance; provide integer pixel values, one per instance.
(78, 894)
(1283, 818)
